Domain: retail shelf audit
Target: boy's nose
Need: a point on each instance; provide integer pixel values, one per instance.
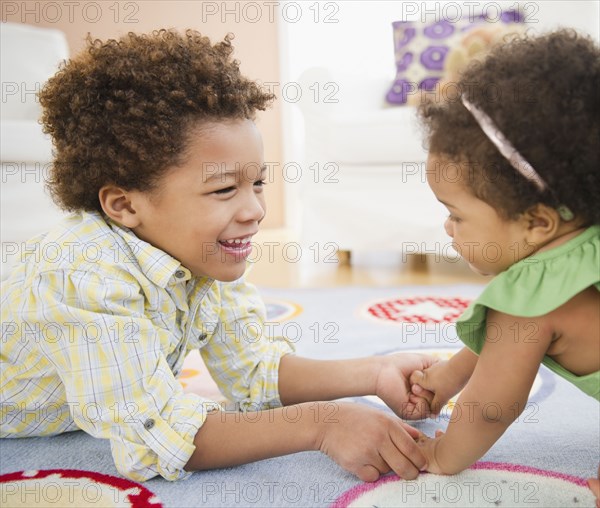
(253, 209)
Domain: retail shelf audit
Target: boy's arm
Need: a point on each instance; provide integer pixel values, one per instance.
(496, 393)
(304, 379)
(361, 439)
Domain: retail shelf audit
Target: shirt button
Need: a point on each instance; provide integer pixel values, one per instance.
(180, 274)
(149, 423)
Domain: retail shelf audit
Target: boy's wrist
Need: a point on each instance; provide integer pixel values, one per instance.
(374, 365)
(318, 427)
(317, 418)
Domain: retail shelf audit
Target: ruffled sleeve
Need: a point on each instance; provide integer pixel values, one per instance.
(536, 286)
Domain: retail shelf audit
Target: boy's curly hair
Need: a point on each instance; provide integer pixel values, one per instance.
(118, 112)
(543, 94)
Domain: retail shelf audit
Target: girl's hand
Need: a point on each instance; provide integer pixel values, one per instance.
(594, 484)
(393, 385)
(428, 446)
(434, 387)
(370, 443)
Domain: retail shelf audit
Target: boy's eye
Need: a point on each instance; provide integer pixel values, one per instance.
(260, 183)
(453, 218)
(226, 190)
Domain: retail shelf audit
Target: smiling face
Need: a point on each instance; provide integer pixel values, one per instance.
(205, 211)
(488, 242)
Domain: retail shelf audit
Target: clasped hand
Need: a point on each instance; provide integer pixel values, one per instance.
(368, 442)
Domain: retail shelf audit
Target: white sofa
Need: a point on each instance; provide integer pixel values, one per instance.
(29, 56)
(370, 191)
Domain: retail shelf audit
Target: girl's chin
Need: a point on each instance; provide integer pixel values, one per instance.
(479, 271)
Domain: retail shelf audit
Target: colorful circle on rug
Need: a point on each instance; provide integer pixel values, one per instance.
(72, 487)
(484, 484)
(187, 373)
(418, 309)
(543, 385)
(195, 378)
(280, 310)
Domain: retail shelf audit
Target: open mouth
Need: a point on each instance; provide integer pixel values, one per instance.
(240, 247)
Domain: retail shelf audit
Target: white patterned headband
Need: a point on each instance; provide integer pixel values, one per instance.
(510, 153)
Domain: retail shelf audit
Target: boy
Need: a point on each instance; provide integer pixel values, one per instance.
(159, 159)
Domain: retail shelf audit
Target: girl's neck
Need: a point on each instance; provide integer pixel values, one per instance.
(565, 233)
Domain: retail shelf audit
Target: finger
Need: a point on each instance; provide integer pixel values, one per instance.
(416, 377)
(402, 466)
(414, 399)
(419, 408)
(426, 394)
(429, 360)
(411, 431)
(436, 406)
(423, 393)
(439, 433)
(406, 445)
(417, 389)
(368, 473)
(409, 411)
(398, 455)
(375, 461)
(594, 485)
(415, 409)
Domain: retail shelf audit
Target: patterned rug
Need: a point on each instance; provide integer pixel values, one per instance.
(542, 460)
(70, 487)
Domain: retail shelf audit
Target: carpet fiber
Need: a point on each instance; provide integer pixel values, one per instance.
(542, 460)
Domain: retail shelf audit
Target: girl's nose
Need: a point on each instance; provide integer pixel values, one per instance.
(448, 226)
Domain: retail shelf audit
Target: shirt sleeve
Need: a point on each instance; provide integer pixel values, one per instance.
(112, 362)
(242, 354)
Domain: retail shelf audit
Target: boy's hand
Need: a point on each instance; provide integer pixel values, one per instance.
(394, 388)
(369, 443)
(434, 387)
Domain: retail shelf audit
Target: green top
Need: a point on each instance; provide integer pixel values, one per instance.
(535, 286)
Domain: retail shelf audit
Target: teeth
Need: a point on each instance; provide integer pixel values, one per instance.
(237, 241)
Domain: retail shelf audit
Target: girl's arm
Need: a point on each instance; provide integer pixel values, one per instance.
(496, 393)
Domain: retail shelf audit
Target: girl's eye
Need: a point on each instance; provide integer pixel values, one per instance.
(260, 183)
(227, 190)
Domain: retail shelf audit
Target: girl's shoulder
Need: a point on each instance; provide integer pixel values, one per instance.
(543, 282)
(536, 286)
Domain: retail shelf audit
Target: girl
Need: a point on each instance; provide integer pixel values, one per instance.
(515, 160)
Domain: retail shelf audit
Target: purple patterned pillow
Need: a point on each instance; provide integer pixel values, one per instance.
(421, 49)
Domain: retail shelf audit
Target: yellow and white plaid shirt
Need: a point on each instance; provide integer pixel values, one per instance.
(96, 324)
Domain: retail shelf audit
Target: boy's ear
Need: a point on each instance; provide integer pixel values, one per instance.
(117, 204)
(541, 222)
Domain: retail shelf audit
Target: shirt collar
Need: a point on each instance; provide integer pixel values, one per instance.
(161, 268)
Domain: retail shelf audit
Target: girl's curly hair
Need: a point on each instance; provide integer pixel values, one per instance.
(543, 94)
(118, 112)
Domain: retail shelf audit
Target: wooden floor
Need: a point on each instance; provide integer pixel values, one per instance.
(279, 261)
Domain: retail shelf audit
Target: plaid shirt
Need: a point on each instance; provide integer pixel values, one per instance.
(96, 324)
